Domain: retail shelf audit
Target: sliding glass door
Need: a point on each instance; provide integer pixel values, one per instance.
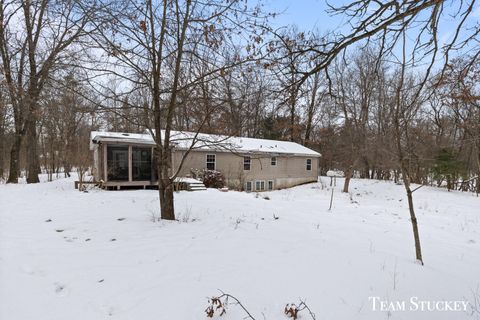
(117, 163)
(141, 164)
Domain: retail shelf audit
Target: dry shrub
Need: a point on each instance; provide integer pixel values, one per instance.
(210, 178)
(291, 310)
(216, 307)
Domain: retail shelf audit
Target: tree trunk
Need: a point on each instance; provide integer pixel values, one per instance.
(167, 211)
(449, 183)
(348, 176)
(311, 107)
(32, 156)
(66, 169)
(477, 189)
(15, 159)
(165, 184)
(293, 102)
(413, 219)
(2, 148)
(292, 122)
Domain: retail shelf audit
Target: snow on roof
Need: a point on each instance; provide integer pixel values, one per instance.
(202, 141)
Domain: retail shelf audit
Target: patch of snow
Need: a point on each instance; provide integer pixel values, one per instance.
(187, 180)
(267, 253)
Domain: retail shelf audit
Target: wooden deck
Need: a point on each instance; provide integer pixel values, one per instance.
(179, 184)
(118, 185)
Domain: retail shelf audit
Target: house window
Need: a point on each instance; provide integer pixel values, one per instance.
(210, 161)
(309, 164)
(248, 186)
(270, 185)
(117, 163)
(141, 164)
(246, 163)
(273, 161)
(259, 185)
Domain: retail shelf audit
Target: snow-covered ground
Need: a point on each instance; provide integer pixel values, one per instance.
(103, 254)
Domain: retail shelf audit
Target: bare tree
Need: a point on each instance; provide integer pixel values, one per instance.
(457, 115)
(65, 111)
(285, 66)
(406, 103)
(315, 97)
(35, 36)
(384, 22)
(354, 88)
(3, 131)
(244, 92)
(154, 48)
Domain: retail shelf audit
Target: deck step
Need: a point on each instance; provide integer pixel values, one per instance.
(193, 185)
(197, 188)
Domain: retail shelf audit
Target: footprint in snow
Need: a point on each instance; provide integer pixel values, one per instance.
(32, 271)
(60, 289)
(109, 310)
(59, 230)
(27, 270)
(121, 219)
(70, 239)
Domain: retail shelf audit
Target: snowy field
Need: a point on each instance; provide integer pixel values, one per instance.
(104, 255)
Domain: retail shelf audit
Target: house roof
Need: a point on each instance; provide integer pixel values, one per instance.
(183, 140)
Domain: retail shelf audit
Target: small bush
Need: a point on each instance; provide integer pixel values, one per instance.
(210, 178)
